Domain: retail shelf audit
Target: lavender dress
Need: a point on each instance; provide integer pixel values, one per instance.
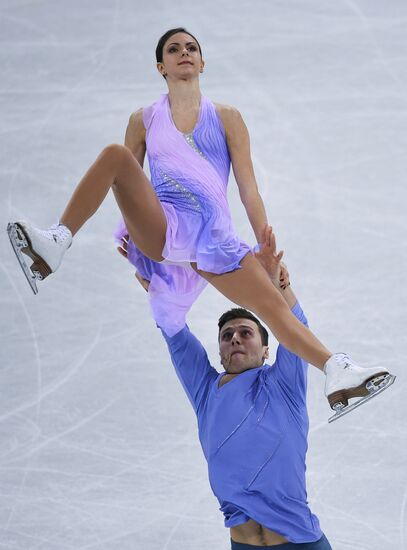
(189, 173)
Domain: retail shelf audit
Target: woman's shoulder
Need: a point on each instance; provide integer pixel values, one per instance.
(226, 110)
(140, 120)
(144, 115)
(135, 132)
(136, 122)
(137, 116)
(230, 116)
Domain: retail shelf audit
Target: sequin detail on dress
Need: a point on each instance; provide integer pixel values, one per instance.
(190, 140)
(183, 191)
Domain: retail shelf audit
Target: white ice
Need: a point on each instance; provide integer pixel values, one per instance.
(99, 447)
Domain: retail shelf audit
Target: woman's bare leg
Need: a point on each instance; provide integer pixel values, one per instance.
(144, 217)
(251, 288)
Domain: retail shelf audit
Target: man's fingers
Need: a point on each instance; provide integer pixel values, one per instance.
(125, 242)
(122, 251)
(284, 277)
(144, 283)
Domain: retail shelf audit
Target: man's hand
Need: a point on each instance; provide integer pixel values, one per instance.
(122, 249)
(284, 280)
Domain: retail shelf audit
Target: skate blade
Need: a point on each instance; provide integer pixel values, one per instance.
(374, 390)
(19, 243)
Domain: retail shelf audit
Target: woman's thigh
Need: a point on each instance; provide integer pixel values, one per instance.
(249, 287)
(142, 211)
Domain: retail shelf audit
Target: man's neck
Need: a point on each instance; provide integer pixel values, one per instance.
(229, 376)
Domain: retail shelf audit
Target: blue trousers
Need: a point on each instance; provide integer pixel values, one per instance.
(321, 544)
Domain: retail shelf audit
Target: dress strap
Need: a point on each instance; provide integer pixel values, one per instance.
(149, 112)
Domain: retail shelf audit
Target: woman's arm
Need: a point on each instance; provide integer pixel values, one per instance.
(135, 138)
(238, 141)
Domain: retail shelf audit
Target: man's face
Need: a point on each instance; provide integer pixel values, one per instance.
(240, 346)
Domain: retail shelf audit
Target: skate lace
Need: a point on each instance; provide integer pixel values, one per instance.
(56, 233)
(344, 360)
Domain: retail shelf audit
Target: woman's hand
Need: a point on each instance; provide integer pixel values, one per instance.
(122, 249)
(271, 260)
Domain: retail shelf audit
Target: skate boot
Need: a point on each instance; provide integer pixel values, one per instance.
(345, 380)
(45, 247)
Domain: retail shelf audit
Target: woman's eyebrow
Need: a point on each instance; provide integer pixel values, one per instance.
(178, 44)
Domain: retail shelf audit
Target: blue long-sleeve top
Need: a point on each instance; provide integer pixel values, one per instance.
(253, 432)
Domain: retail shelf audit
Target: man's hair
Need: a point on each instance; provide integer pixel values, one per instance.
(240, 313)
(160, 46)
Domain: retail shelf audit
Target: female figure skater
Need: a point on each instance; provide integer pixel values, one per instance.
(179, 223)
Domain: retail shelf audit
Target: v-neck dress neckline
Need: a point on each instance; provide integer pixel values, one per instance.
(198, 121)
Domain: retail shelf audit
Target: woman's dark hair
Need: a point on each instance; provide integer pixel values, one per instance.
(160, 46)
(240, 313)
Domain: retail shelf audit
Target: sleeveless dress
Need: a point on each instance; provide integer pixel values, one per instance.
(189, 173)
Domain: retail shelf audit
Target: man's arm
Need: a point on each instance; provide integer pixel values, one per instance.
(187, 355)
(290, 370)
(271, 261)
(191, 365)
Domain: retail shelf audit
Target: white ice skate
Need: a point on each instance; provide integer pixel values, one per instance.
(345, 380)
(45, 246)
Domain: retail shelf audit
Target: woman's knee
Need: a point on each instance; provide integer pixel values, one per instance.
(116, 155)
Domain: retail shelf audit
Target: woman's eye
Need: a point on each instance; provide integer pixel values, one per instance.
(192, 48)
(172, 49)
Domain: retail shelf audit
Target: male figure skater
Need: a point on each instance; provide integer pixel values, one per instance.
(253, 423)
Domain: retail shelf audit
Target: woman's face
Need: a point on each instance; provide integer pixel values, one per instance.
(181, 58)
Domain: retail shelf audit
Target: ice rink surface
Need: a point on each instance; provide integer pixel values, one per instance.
(99, 445)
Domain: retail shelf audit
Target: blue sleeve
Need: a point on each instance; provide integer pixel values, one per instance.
(191, 365)
(291, 370)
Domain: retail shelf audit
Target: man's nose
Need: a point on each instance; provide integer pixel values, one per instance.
(235, 338)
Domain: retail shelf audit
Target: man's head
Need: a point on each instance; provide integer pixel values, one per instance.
(243, 341)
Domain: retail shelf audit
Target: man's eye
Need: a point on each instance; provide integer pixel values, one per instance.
(226, 336)
(246, 333)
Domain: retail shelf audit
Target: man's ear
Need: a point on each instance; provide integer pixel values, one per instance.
(266, 352)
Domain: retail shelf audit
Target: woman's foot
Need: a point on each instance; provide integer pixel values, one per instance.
(45, 247)
(346, 380)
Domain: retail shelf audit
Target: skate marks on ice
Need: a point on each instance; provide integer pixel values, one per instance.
(72, 495)
(369, 32)
(403, 520)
